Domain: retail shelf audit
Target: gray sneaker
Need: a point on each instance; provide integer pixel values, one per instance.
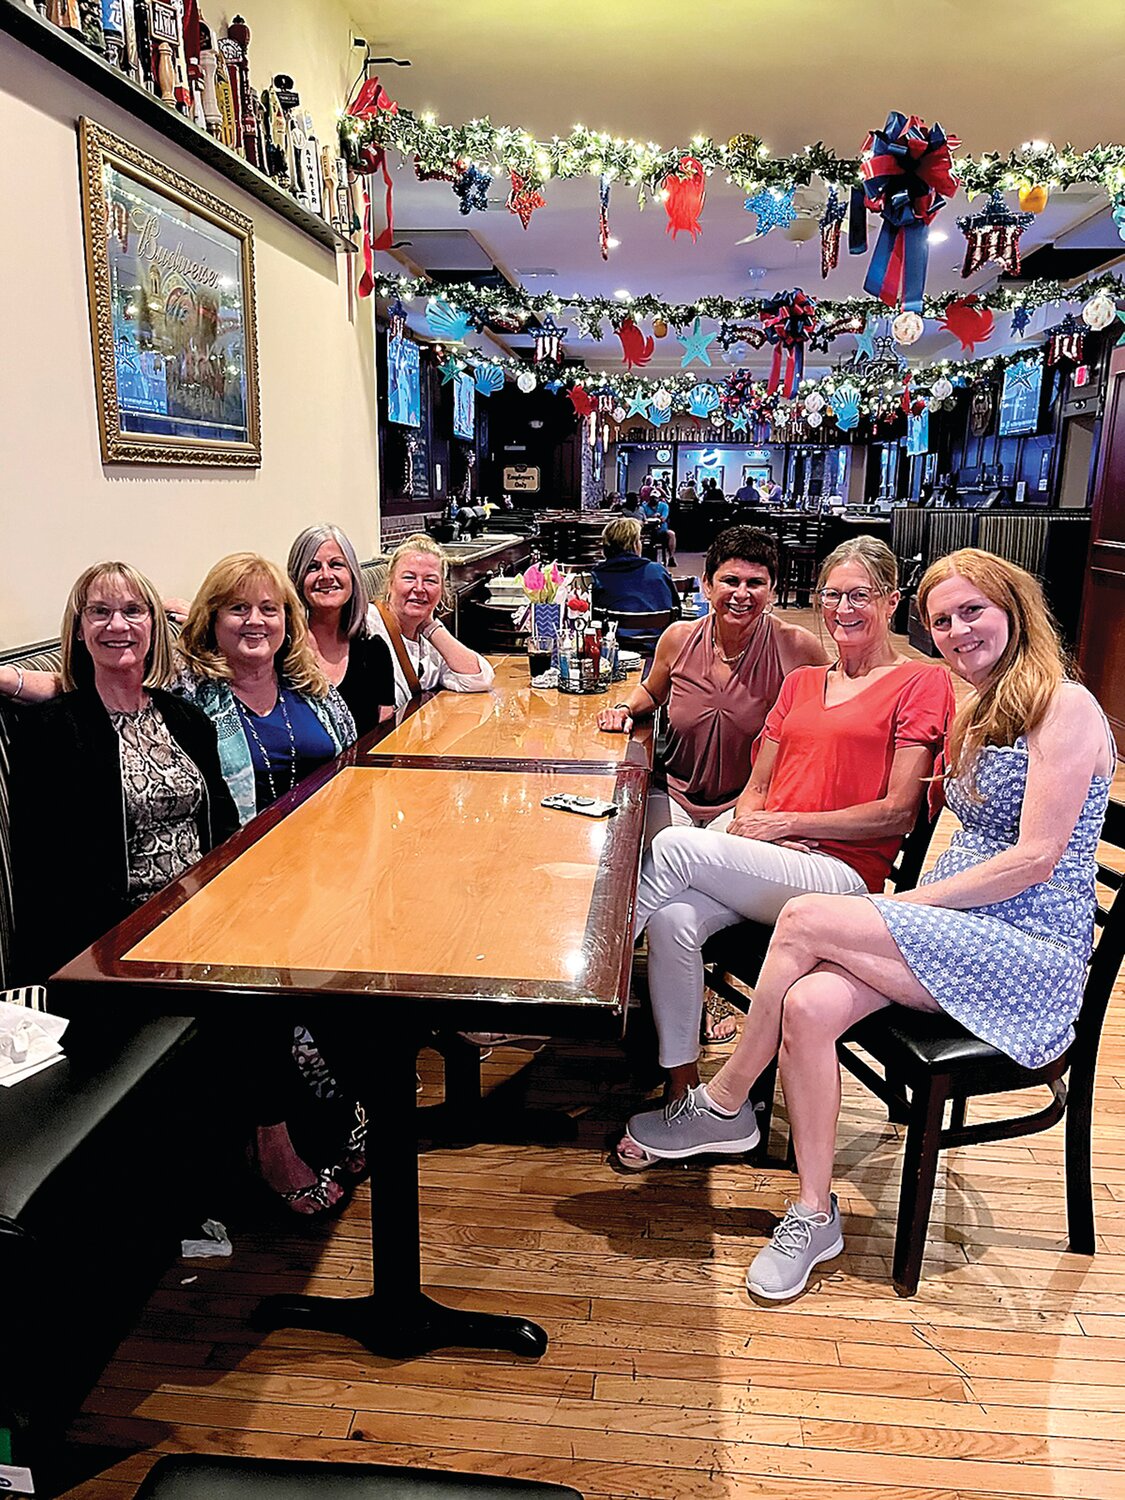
(686, 1127)
(801, 1241)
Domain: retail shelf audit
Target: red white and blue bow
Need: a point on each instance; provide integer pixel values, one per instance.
(788, 319)
(907, 171)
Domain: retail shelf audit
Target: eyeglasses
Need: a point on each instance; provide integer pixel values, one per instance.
(857, 598)
(101, 614)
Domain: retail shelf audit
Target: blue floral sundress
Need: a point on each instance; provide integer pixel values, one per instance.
(1012, 972)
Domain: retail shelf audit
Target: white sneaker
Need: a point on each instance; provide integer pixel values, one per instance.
(801, 1241)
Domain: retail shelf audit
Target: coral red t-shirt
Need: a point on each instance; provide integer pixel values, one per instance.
(841, 756)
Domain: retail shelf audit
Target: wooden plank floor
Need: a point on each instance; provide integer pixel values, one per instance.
(1003, 1377)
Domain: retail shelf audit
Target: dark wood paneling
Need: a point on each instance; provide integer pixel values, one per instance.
(1102, 644)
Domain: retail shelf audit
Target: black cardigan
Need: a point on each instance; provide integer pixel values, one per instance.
(69, 841)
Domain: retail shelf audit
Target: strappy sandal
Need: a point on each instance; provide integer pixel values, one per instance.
(353, 1161)
(716, 1010)
(632, 1163)
(315, 1193)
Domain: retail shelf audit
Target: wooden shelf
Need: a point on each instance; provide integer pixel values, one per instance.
(27, 26)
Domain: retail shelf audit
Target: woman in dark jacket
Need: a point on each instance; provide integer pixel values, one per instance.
(116, 784)
(626, 580)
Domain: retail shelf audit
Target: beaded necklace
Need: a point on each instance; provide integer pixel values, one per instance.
(248, 722)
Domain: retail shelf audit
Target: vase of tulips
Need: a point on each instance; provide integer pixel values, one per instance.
(541, 585)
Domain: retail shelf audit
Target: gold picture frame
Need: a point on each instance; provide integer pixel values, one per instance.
(170, 278)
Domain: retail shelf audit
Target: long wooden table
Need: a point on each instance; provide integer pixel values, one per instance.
(405, 887)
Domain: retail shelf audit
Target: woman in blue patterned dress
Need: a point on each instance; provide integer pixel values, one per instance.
(998, 936)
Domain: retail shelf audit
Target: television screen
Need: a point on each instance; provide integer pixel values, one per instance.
(404, 385)
(464, 395)
(1019, 399)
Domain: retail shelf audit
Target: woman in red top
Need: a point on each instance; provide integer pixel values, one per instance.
(839, 774)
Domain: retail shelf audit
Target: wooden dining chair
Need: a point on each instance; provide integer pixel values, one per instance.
(736, 953)
(638, 630)
(930, 1061)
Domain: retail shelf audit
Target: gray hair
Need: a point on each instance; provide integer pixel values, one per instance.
(304, 549)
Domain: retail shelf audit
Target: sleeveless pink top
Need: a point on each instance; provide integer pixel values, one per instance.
(713, 724)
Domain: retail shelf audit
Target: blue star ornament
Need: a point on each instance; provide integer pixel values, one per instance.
(865, 341)
(739, 423)
(638, 405)
(696, 345)
(449, 370)
(1021, 317)
(774, 208)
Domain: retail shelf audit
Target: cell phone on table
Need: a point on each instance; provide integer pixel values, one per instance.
(587, 807)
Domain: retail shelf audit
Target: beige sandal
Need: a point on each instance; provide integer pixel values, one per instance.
(716, 1011)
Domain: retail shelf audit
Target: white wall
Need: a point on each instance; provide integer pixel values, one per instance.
(60, 508)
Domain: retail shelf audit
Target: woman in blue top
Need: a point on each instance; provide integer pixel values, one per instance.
(626, 580)
(249, 665)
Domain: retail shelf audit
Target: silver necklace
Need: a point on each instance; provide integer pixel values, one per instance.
(245, 716)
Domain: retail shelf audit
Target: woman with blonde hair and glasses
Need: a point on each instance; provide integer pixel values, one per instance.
(839, 774)
(997, 936)
(427, 655)
(117, 787)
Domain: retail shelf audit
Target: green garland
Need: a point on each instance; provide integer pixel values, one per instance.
(880, 383)
(590, 314)
(744, 159)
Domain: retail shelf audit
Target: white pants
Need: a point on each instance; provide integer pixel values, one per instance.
(694, 882)
(665, 812)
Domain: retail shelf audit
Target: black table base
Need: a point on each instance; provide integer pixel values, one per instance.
(402, 1332)
(397, 1320)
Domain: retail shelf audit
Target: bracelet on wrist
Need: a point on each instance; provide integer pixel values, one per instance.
(627, 707)
(19, 682)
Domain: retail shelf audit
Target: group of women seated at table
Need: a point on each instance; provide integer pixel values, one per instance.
(147, 752)
(997, 936)
(789, 783)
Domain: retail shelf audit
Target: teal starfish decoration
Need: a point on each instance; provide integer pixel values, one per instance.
(739, 423)
(449, 370)
(638, 405)
(696, 345)
(865, 341)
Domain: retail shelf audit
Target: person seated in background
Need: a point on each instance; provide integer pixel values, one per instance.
(631, 504)
(116, 783)
(427, 655)
(770, 492)
(656, 508)
(747, 493)
(998, 935)
(839, 774)
(711, 494)
(626, 580)
(687, 493)
(324, 570)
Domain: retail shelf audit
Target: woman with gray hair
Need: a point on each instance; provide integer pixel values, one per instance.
(325, 572)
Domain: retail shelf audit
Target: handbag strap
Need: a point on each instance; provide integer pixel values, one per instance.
(400, 651)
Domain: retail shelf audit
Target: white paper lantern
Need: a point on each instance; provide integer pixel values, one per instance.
(1099, 312)
(737, 354)
(717, 419)
(814, 418)
(662, 399)
(526, 382)
(908, 328)
(619, 414)
(943, 389)
(814, 401)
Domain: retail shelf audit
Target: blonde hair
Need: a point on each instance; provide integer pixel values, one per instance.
(77, 668)
(420, 542)
(1032, 665)
(874, 556)
(229, 581)
(621, 535)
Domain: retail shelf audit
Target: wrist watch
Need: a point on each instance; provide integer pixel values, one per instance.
(429, 630)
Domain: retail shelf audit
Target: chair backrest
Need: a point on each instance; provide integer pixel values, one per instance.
(1109, 952)
(907, 868)
(639, 629)
(45, 657)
